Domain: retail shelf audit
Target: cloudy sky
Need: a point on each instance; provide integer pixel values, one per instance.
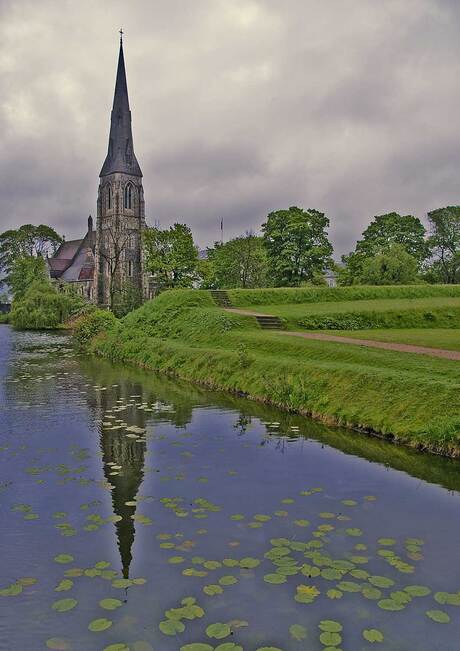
(239, 107)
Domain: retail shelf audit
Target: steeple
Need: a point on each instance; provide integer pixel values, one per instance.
(120, 154)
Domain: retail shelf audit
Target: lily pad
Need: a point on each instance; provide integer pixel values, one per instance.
(116, 647)
(438, 616)
(110, 604)
(101, 624)
(298, 632)
(196, 646)
(58, 644)
(212, 589)
(330, 639)
(63, 605)
(330, 626)
(63, 558)
(373, 635)
(218, 630)
(275, 578)
(171, 626)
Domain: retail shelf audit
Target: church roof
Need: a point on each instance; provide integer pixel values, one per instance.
(74, 260)
(120, 155)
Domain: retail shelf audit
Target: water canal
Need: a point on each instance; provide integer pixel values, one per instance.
(141, 513)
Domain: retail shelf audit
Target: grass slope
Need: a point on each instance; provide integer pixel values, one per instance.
(413, 399)
(448, 339)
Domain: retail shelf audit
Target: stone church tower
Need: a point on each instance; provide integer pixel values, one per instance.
(120, 205)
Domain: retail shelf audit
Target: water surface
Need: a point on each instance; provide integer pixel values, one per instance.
(178, 509)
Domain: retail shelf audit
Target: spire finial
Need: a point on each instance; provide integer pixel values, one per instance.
(121, 35)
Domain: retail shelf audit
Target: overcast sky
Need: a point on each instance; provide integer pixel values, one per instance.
(239, 107)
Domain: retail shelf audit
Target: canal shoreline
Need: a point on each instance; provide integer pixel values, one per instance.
(404, 398)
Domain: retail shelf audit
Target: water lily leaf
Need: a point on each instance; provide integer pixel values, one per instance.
(438, 616)
(63, 558)
(452, 599)
(212, 565)
(330, 639)
(334, 594)
(298, 632)
(100, 624)
(275, 578)
(176, 559)
(390, 604)
(228, 646)
(212, 589)
(302, 523)
(63, 605)
(110, 604)
(249, 563)
(64, 585)
(330, 626)
(386, 541)
(237, 517)
(373, 635)
(353, 532)
(349, 586)
(218, 630)
(268, 648)
(117, 647)
(102, 565)
(196, 646)
(417, 590)
(228, 580)
(58, 644)
(171, 626)
(381, 581)
(371, 593)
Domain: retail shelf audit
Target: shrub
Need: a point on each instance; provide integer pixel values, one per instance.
(91, 324)
(43, 307)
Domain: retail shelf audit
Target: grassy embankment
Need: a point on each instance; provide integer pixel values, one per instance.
(410, 398)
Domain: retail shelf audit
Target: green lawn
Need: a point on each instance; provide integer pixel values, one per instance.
(414, 398)
(446, 338)
(295, 311)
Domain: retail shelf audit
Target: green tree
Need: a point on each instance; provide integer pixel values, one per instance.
(297, 245)
(42, 306)
(240, 262)
(26, 241)
(393, 266)
(384, 231)
(444, 242)
(171, 256)
(25, 270)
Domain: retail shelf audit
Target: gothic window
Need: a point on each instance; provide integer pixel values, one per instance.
(109, 198)
(130, 268)
(128, 201)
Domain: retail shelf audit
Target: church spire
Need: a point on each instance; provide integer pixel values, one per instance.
(120, 154)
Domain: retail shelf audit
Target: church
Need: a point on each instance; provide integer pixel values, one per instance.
(109, 257)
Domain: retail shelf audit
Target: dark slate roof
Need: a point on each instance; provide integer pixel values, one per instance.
(74, 260)
(120, 154)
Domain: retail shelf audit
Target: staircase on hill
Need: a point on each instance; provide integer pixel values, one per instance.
(269, 322)
(221, 297)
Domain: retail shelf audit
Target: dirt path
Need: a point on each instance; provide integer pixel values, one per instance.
(371, 343)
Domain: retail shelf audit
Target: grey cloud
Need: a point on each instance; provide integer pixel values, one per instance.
(239, 107)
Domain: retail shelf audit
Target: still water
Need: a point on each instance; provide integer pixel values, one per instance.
(140, 513)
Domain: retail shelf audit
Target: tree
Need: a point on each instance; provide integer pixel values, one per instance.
(384, 231)
(444, 242)
(393, 266)
(171, 256)
(297, 245)
(28, 240)
(240, 262)
(24, 271)
(42, 306)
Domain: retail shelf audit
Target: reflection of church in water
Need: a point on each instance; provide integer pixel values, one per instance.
(120, 447)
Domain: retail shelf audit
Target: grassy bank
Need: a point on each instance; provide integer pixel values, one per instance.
(410, 398)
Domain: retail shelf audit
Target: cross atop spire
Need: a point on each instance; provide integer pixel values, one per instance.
(120, 155)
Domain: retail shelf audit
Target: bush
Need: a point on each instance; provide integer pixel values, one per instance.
(410, 318)
(91, 324)
(43, 307)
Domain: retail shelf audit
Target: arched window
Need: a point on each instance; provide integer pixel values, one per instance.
(128, 196)
(130, 268)
(109, 198)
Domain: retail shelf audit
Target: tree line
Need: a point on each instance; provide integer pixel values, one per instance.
(292, 249)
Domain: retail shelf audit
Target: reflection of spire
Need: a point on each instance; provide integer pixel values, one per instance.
(128, 453)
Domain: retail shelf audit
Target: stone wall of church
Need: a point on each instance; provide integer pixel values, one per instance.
(120, 223)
